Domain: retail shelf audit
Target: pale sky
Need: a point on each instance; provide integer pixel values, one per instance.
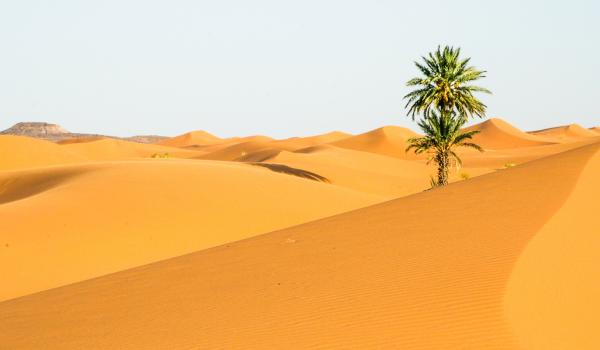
(285, 68)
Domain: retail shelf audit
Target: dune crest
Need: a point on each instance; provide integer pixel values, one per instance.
(496, 133)
(261, 148)
(192, 138)
(387, 140)
(571, 131)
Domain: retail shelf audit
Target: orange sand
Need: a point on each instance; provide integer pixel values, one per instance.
(17, 152)
(193, 138)
(498, 134)
(388, 140)
(366, 172)
(503, 261)
(567, 132)
(112, 149)
(259, 148)
(69, 223)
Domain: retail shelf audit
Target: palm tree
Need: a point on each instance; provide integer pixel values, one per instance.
(442, 135)
(444, 85)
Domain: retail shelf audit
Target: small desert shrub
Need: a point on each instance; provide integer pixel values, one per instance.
(161, 155)
(433, 182)
(465, 176)
(510, 165)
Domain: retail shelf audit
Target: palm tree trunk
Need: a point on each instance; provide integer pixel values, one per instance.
(442, 161)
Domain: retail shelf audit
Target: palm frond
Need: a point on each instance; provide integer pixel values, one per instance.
(444, 85)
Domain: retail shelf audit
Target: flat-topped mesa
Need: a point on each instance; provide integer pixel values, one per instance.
(56, 133)
(37, 130)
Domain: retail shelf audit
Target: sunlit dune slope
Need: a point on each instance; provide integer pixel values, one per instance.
(260, 148)
(193, 138)
(388, 140)
(112, 149)
(498, 159)
(238, 151)
(17, 152)
(566, 132)
(364, 171)
(497, 134)
(552, 296)
(65, 224)
(443, 269)
(596, 129)
(315, 140)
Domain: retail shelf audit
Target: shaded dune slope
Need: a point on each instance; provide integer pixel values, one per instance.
(284, 169)
(82, 139)
(429, 271)
(69, 223)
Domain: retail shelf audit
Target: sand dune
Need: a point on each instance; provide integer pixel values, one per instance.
(552, 295)
(18, 152)
(498, 159)
(260, 148)
(238, 151)
(466, 266)
(497, 134)
(69, 223)
(566, 132)
(302, 142)
(104, 149)
(193, 138)
(596, 129)
(388, 140)
(366, 172)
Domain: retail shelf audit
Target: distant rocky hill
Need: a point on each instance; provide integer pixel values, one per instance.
(55, 133)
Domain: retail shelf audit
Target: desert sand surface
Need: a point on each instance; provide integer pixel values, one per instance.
(324, 241)
(259, 148)
(106, 149)
(466, 266)
(495, 133)
(68, 223)
(387, 140)
(18, 152)
(365, 171)
(566, 132)
(192, 138)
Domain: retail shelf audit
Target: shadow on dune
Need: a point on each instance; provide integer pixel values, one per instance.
(20, 186)
(284, 169)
